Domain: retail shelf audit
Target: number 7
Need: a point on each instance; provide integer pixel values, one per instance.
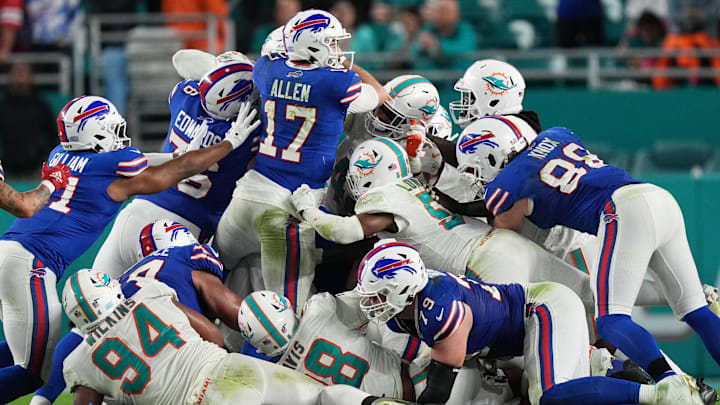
(292, 152)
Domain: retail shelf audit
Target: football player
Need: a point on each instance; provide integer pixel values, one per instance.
(557, 181)
(34, 252)
(307, 345)
(26, 204)
(391, 203)
(458, 316)
(148, 348)
(204, 109)
(305, 97)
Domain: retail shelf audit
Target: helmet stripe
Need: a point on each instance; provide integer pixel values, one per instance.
(391, 145)
(265, 321)
(91, 112)
(80, 298)
(405, 84)
(507, 122)
(377, 249)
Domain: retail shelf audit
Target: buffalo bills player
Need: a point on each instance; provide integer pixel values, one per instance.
(202, 109)
(305, 98)
(457, 317)
(26, 204)
(556, 181)
(34, 252)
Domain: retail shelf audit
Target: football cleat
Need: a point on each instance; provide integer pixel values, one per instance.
(713, 298)
(707, 393)
(678, 389)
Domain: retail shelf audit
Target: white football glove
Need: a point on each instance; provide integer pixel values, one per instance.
(243, 125)
(303, 198)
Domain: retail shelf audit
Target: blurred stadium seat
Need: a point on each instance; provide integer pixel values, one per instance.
(687, 157)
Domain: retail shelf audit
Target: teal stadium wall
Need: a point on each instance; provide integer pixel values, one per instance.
(629, 122)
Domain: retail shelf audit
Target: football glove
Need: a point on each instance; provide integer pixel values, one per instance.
(55, 178)
(243, 125)
(303, 198)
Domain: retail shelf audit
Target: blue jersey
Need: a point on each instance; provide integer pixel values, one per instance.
(498, 328)
(568, 185)
(75, 217)
(174, 267)
(201, 199)
(303, 114)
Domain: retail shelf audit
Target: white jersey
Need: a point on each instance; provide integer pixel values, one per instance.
(145, 352)
(326, 350)
(443, 238)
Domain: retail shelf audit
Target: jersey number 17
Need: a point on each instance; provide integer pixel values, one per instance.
(292, 152)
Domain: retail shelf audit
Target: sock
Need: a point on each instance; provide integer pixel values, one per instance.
(636, 342)
(6, 358)
(707, 325)
(592, 391)
(648, 394)
(16, 382)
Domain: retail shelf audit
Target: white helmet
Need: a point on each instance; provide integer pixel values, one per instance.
(229, 84)
(393, 270)
(267, 320)
(274, 43)
(163, 234)
(410, 97)
(486, 146)
(440, 125)
(488, 87)
(89, 296)
(312, 36)
(374, 163)
(91, 123)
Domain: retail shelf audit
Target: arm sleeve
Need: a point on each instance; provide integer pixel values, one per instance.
(56, 383)
(156, 159)
(497, 199)
(2, 172)
(131, 163)
(365, 101)
(447, 149)
(206, 258)
(11, 14)
(335, 228)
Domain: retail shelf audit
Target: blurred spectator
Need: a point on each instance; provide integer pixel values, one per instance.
(114, 59)
(648, 32)
(191, 29)
(27, 123)
(692, 27)
(284, 10)
(52, 24)
(635, 8)
(378, 35)
(346, 13)
(579, 23)
(408, 25)
(11, 20)
(444, 38)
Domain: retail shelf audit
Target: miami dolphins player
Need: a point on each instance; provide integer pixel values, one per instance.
(305, 97)
(34, 252)
(148, 348)
(202, 110)
(556, 180)
(307, 345)
(459, 317)
(168, 253)
(392, 204)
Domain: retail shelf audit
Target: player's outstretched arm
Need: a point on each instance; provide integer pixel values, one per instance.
(513, 218)
(83, 395)
(158, 178)
(27, 204)
(220, 299)
(206, 329)
(373, 94)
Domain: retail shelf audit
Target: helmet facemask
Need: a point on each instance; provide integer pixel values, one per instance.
(387, 122)
(464, 110)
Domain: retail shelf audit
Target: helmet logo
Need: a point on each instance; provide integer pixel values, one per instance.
(430, 107)
(236, 93)
(101, 280)
(294, 74)
(314, 23)
(278, 303)
(388, 268)
(176, 229)
(470, 142)
(497, 83)
(93, 110)
(367, 165)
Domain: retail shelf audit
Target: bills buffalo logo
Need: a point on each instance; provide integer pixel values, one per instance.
(97, 109)
(176, 230)
(313, 23)
(388, 268)
(367, 163)
(241, 89)
(470, 142)
(498, 83)
(430, 107)
(295, 74)
(608, 218)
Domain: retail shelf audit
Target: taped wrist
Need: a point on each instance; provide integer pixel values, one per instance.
(336, 228)
(440, 380)
(49, 185)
